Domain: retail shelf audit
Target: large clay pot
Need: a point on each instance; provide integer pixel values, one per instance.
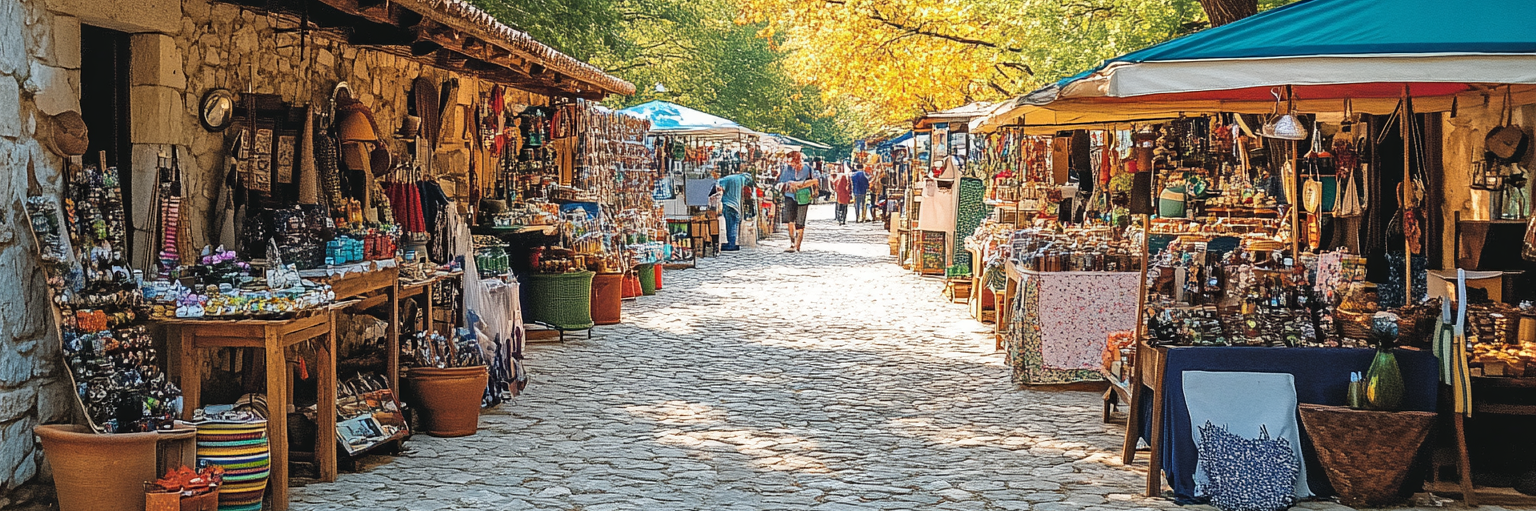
(607, 298)
(99, 472)
(449, 399)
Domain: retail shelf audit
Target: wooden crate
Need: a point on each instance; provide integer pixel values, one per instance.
(958, 289)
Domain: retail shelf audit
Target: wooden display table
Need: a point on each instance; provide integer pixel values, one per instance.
(424, 291)
(369, 289)
(270, 338)
(1321, 376)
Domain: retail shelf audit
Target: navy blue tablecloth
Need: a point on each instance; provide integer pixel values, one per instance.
(1322, 377)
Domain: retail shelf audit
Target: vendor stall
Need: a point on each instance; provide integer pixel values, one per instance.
(1297, 218)
(304, 245)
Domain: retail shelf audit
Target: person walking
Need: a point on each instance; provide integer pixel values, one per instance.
(798, 181)
(842, 185)
(860, 182)
(731, 186)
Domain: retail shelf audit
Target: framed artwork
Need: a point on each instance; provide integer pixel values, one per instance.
(285, 149)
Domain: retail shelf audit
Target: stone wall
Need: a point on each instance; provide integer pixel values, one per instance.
(180, 49)
(38, 78)
(218, 46)
(1463, 138)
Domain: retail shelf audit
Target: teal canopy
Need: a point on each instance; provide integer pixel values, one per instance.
(1331, 49)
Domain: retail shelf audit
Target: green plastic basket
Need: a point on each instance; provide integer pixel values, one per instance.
(647, 278)
(562, 301)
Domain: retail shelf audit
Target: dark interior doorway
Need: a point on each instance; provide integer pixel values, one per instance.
(104, 104)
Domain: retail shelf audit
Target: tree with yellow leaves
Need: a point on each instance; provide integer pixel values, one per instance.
(897, 59)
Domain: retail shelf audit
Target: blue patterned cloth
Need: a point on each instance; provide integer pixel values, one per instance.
(1248, 475)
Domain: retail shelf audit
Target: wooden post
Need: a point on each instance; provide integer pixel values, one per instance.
(1133, 415)
(1403, 121)
(277, 420)
(1293, 189)
(191, 370)
(325, 409)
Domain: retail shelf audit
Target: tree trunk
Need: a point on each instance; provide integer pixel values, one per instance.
(1222, 12)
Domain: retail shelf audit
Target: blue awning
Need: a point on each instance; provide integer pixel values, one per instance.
(674, 119)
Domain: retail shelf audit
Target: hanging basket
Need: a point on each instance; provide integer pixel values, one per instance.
(562, 301)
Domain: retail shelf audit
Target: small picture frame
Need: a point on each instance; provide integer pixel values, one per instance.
(285, 148)
(359, 433)
(263, 144)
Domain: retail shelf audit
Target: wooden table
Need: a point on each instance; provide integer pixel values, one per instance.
(1501, 388)
(424, 290)
(369, 289)
(270, 338)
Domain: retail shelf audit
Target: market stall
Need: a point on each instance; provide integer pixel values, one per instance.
(695, 150)
(302, 249)
(1297, 216)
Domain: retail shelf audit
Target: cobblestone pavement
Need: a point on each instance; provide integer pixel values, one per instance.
(827, 379)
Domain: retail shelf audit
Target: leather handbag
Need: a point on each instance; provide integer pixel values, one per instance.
(1507, 143)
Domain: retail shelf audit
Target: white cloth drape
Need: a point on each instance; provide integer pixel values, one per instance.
(1245, 402)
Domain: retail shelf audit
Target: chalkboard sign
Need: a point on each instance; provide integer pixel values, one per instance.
(932, 251)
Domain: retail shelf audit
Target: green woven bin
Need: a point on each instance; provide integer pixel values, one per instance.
(562, 301)
(647, 278)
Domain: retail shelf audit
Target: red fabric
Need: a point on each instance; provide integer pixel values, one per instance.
(1303, 92)
(844, 188)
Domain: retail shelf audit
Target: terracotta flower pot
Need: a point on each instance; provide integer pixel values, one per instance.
(607, 298)
(449, 399)
(99, 472)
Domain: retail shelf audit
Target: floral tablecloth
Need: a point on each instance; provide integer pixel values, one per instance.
(1061, 320)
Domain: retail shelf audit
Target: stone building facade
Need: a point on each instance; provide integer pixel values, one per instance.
(179, 50)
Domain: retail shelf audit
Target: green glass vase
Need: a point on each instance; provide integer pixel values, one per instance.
(1384, 382)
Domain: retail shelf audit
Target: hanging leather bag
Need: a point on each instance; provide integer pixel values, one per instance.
(1508, 142)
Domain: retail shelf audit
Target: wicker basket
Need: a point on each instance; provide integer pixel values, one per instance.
(562, 301)
(647, 273)
(1353, 325)
(1366, 453)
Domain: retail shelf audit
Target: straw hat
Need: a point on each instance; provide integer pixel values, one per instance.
(67, 134)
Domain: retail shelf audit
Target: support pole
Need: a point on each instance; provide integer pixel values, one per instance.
(1293, 189)
(1403, 122)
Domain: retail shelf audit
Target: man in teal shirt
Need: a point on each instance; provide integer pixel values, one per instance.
(731, 199)
(798, 182)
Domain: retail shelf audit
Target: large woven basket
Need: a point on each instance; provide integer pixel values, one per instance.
(562, 301)
(647, 273)
(1366, 453)
(1353, 325)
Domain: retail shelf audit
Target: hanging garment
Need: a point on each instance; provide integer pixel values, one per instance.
(433, 201)
(309, 179)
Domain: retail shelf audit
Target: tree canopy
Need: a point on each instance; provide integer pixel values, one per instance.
(694, 50)
(829, 70)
